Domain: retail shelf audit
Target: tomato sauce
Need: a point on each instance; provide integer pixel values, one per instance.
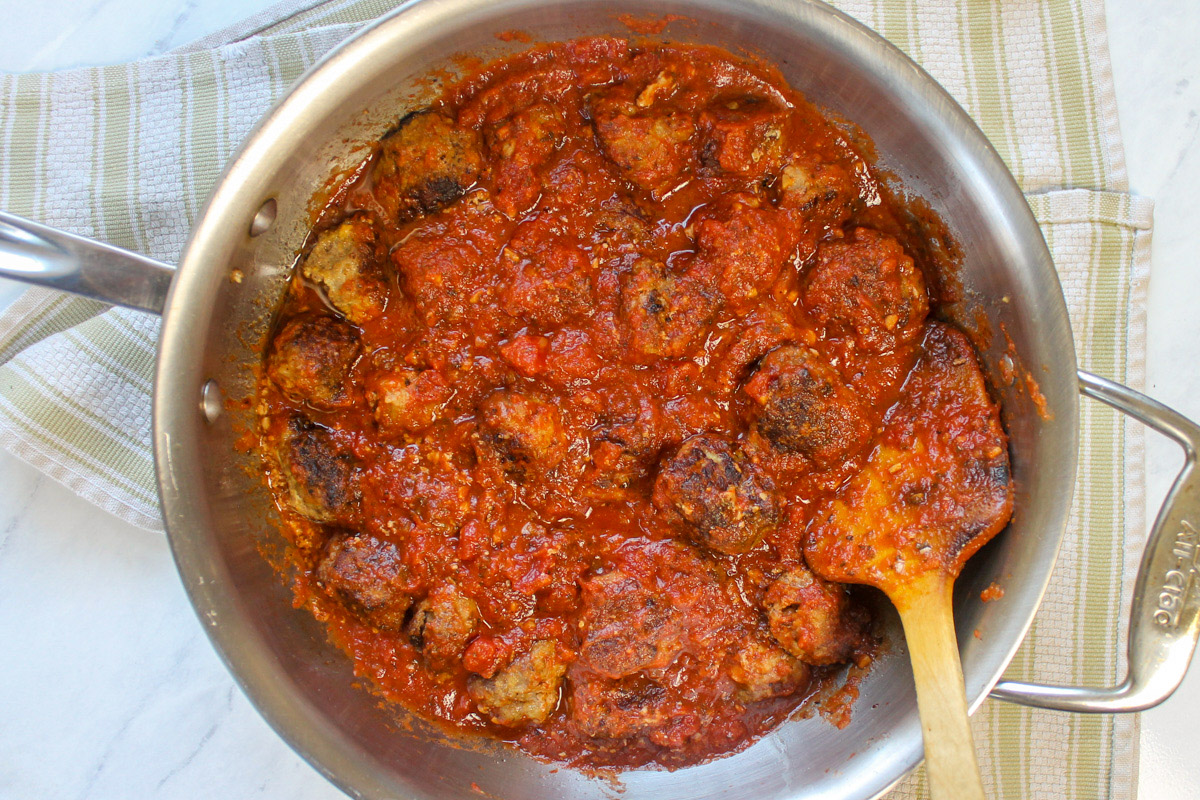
(563, 371)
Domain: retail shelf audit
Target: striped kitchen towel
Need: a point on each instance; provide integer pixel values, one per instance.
(127, 154)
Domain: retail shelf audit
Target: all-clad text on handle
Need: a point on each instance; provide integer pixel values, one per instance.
(1164, 620)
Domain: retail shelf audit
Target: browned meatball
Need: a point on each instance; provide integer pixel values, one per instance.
(368, 577)
(811, 618)
(520, 430)
(744, 137)
(765, 670)
(441, 624)
(619, 229)
(627, 439)
(311, 359)
(524, 692)
(546, 275)
(717, 494)
(823, 192)
(868, 288)
(520, 144)
(407, 400)
(665, 314)
(619, 710)
(654, 147)
(745, 247)
(625, 628)
(801, 406)
(425, 164)
(343, 263)
(318, 471)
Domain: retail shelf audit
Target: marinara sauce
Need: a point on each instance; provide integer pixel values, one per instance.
(563, 373)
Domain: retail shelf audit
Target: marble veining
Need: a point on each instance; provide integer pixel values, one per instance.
(109, 687)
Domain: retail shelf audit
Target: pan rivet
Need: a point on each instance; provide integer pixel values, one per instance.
(210, 401)
(264, 219)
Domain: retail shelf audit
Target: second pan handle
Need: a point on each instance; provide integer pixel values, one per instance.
(33, 253)
(1164, 622)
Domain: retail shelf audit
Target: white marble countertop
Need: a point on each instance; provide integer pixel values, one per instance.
(109, 687)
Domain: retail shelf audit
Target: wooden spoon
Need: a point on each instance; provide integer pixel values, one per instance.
(934, 491)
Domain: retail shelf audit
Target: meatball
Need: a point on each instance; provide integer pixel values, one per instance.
(627, 440)
(522, 431)
(520, 144)
(545, 275)
(524, 692)
(665, 314)
(764, 670)
(717, 495)
(867, 288)
(311, 359)
(342, 262)
(619, 229)
(368, 577)
(744, 138)
(802, 407)
(440, 263)
(811, 618)
(425, 164)
(319, 473)
(625, 628)
(407, 400)
(744, 247)
(653, 147)
(619, 710)
(441, 624)
(822, 192)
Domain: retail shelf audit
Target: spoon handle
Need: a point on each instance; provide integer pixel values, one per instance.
(941, 698)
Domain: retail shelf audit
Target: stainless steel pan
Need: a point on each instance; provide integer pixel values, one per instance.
(218, 515)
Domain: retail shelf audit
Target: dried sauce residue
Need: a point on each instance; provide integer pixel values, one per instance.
(648, 25)
(991, 593)
(514, 36)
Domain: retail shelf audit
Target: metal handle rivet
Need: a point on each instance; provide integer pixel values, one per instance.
(210, 401)
(265, 218)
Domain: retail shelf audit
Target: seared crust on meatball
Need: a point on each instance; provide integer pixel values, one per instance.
(823, 192)
(811, 618)
(744, 137)
(524, 692)
(620, 709)
(801, 406)
(626, 443)
(765, 670)
(311, 358)
(666, 314)
(407, 400)
(426, 164)
(343, 263)
(868, 288)
(520, 430)
(655, 148)
(368, 577)
(441, 624)
(718, 496)
(318, 471)
(625, 628)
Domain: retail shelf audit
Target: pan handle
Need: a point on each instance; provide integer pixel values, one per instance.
(1164, 622)
(33, 253)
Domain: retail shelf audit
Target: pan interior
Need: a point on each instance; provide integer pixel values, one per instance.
(220, 517)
